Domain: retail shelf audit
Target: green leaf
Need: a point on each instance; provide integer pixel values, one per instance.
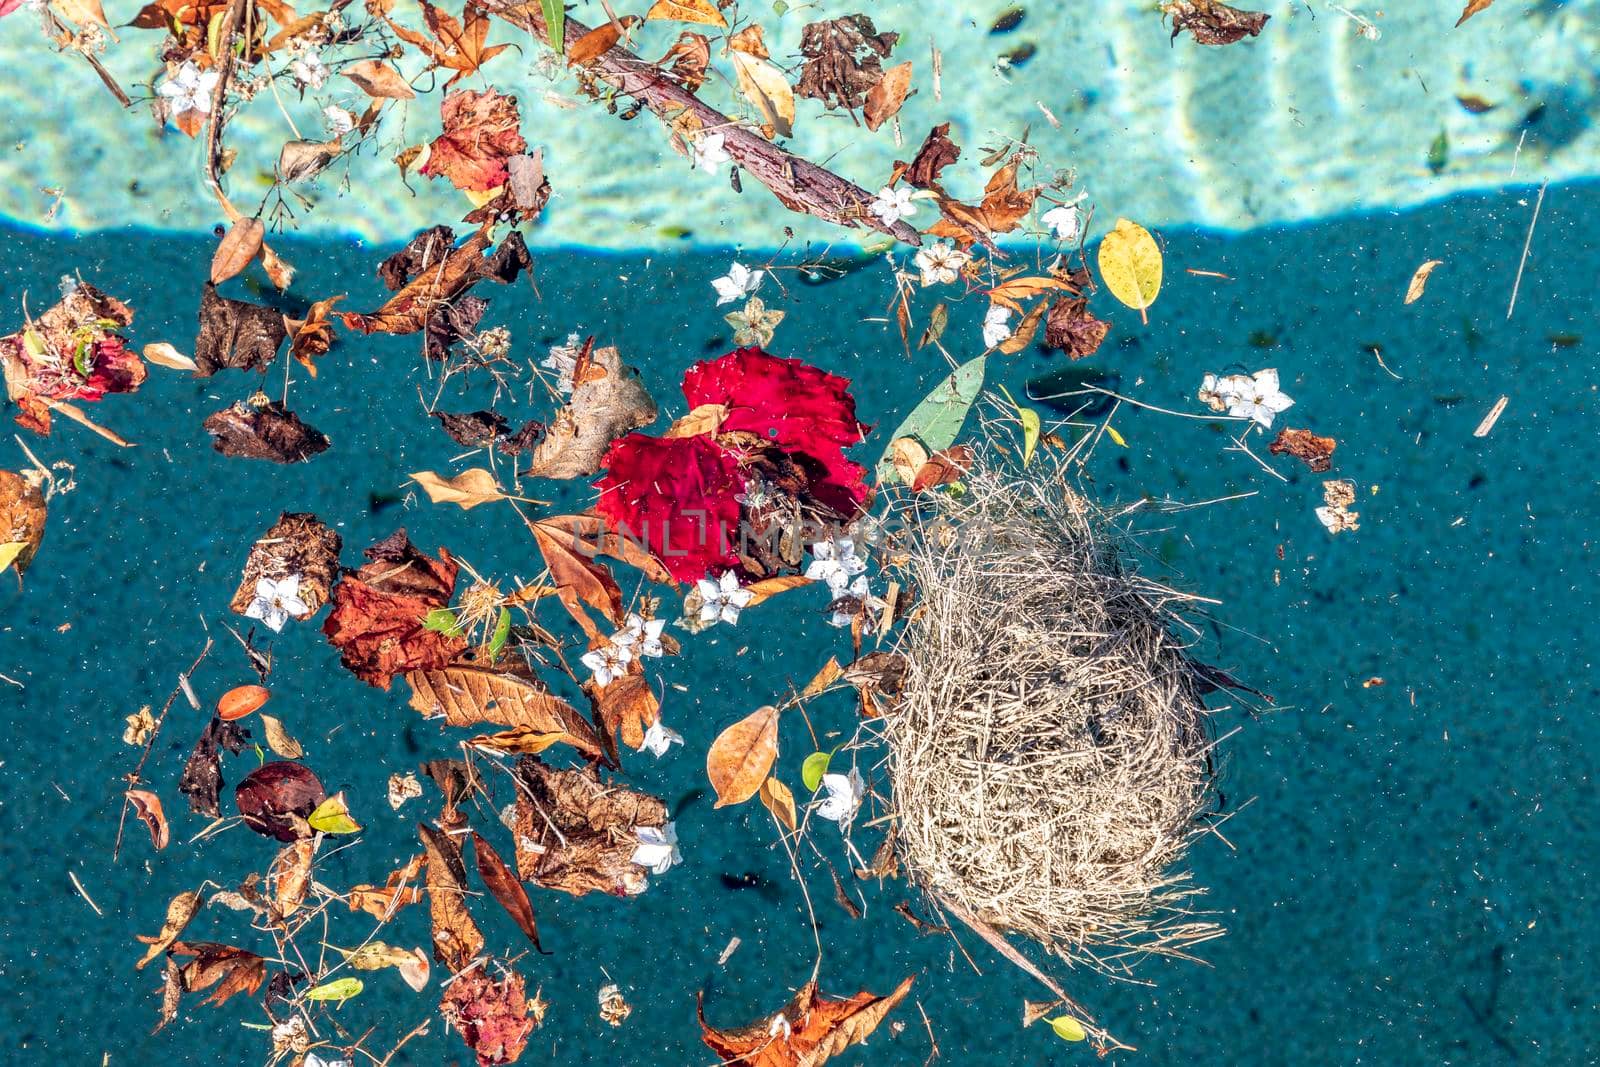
(333, 817)
(939, 418)
(80, 358)
(1067, 1028)
(812, 770)
(1439, 153)
(502, 631)
(340, 989)
(33, 343)
(444, 621)
(1030, 427)
(555, 18)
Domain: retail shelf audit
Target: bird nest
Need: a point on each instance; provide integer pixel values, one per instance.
(1050, 753)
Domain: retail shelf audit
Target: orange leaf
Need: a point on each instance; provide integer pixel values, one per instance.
(742, 755)
(768, 588)
(506, 888)
(814, 1029)
(379, 80)
(699, 11)
(239, 246)
(578, 575)
(147, 806)
(885, 99)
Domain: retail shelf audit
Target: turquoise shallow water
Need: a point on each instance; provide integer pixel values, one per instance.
(1409, 874)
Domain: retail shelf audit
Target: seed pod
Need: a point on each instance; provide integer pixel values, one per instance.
(240, 701)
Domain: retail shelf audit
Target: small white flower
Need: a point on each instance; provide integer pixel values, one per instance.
(563, 362)
(642, 635)
(276, 602)
(658, 738)
(608, 662)
(892, 205)
(940, 262)
(709, 153)
(721, 600)
(340, 121)
(780, 1025)
(1065, 220)
(309, 71)
(739, 282)
(1258, 397)
(1218, 393)
(834, 561)
(996, 325)
(313, 1060)
(844, 797)
(190, 89)
(657, 848)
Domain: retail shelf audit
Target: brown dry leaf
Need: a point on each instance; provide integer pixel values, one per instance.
(469, 488)
(598, 41)
(937, 152)
(750, 40)
(271, 432)
(505, 888)
(1472, 8)
(163, 354)
(1003, 208)
(147, 806)
(908, 455)
(86, 13)
(439, 275)
(456, 938)
(702, 12)
(180, 910)
(494, 1018)
(1022, 336)
(1419, 280)
(379, 80)
(707, 419)
(377, 622)
(232, 970)
(603, 407)
(1211, 22)
(298, 544)
(578, 577)
(842, 60)
(741, 757)
(815, 1028)
(1316, 452)
(201, 781)
(22, 517)
(466, 696)
(942, 468)
(240, 245)
(588, 535)
(765, 86)
(829, 674)
(412, 963)
(886, 98)
(1071, 328)
(236, 334)
(311, 338)
(381, 902)
(521, 742)
(290, 876)
(627, 707)
(278, 738)
(302, 160)
(577, 834)
(686, 60)
(779, 800)
(403, 787)
(768, 588)
(452, 45)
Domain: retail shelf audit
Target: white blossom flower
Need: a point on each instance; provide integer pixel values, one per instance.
(721, 600)
(1218, 393)
(657, 848)
(313, 1060)
(834, 561)
(892, 204)
(1258, 397)
(844, 797)
(780, 1025)
(608, 662)
(563, 362)
(658, 738)
(940, 262)
(1065, 220)
(340, 121)
(642, 635)
(190, 89)
(709, 153)
(309, 71)
(739, 282)
(996, 325)
(276, 601)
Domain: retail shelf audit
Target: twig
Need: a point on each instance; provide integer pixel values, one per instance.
(800, 184)
(134, 776)
(93, 60)
(84, 893)
(1526, 245)
(73, 412)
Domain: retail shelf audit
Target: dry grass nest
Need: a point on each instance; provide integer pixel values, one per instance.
(1050, 753)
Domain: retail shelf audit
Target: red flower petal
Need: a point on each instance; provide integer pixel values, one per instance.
(800, 407)
(676, 495)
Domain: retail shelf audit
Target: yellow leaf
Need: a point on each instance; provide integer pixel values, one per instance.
(163, 354)
(701, 11)
(279, 740)
(780, 801)
(1067, 1028)
(1111, 432)
(1130, 265)
(1419, 280)
(469, 488)
(765, 86)
(768, 588)
(1030, 433)
(333, 817)
(10, 551)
